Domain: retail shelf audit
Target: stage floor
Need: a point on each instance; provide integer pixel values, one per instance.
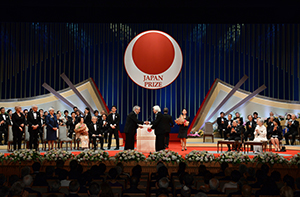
(175, 146)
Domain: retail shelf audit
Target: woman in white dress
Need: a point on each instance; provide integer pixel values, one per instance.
(260, 135)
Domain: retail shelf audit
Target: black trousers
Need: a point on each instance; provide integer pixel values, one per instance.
(17, 138)
(70, 133)
(160, 142)
(129, 141)
(286, 136)
(235, 139)
(114, 132)
(167, 138)
(105, 136)
(94, 139)
(4, 131)
(221, 132)
(33, 138)
(246, 137)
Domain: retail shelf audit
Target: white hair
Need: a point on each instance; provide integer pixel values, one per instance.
(34, 106)
(135, 107)
(27, 180)
(214, 184)
(156, 108)
(50, 109)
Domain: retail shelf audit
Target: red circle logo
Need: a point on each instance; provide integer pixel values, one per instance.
(153, 59)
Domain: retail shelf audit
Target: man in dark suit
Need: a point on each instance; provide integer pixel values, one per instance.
(168, 123)
(250, 127)
(104, 126)
(95, 132)
(235, 133)
(113, 119)
(34, 123)
(130, 127)
(158, 127)
(293, 127)
(228, 126)
(221, 121)
(4, 122)
(72, 121)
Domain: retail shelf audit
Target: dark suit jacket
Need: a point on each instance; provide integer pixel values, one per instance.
(167, 122)
(31, 121)
(92, 129)
(157, 124)
(132, 123)
(88, 119)
(114, 122)
(17, 120)
(252, 129)
(220, 125)
(71, 124)
(240, 119)
(104, 128)
(294, 127)
(4, 126)
(238, 132)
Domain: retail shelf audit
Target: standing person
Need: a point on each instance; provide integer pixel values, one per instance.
(238, 115)
(95, 132)
(255, 116)
(10, 113)
(82, 133)
(130, 127)
(87, 116)
(67, 117)
(4, 122)
(113, 119)
(228, 126)
(104, 126)
(42, 123)
(221, 121)
(260, 135)
(168, 123)
(18, 128)
(96, 113)
(293, 127)
(34, 121)
(52, 126)
(183, 127)
(158, 128)
(71, 124)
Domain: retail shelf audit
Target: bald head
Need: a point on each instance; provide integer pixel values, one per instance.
(246, 191)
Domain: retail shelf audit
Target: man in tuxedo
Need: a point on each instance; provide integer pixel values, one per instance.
(235, 133)
(168, 122)
(34, 123)
(250, 126)
(293, 127)
(228, 126)
(255, 116)
(158, 127)
(96, 133)
(67, 117)
(221, 121)
(72, 121)
(113, 119)
(104, 126)
(130, 127)
(4, 122)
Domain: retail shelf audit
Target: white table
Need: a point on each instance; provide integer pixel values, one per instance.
(145, 140)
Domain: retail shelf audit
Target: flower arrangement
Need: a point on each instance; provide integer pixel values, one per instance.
(200, 156)
(233, 157)
(295, 160)
(129, 155)
(198, 133)
(2, 157)
(92, 155)
(54, 155)
(24, 155)
(269, 158)
(167, 156)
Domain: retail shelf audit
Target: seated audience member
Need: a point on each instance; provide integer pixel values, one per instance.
(4, 191)
(180, 170)
(202, 170)
(240, 184)
(102, 169)
(113, 175)
(246, 191)
(94, 190)
(40, 179)
(74, 188)
(260, 135)
(224, 165)
(207, 177)
(227, 173)
(293, 127)
(200, 194)
(36, 166)
(286, 191)
(12, 179)
(134, 182)
(185, 191)
(55, 187)
(269, 187)
(27, 180)
(106, 190)
(265, 169)
(137, 171)
(50, 172)
(84, 181)
(276, 176)
(235, 177)
(214, 185)
(25, 171)
(17, 189)
(297, 191)
(96, 173)
(260, 178)
(154, 174)
(73, 173)
(188, 181)
(250, 174)
(162, 172)
(289, 181)
(60, 167)
(162, 187)
(276, 134)
(63, 177)
(122, 170)
(2, 180)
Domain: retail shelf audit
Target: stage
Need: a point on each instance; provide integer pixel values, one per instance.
(191, 145)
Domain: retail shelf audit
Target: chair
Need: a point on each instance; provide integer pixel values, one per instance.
(41, 189)
(117, 190)
(10, 138)
(63, 137)
(57, 194)
(209, 131)
(135, 194)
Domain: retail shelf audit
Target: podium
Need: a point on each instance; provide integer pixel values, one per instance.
(145, 140)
